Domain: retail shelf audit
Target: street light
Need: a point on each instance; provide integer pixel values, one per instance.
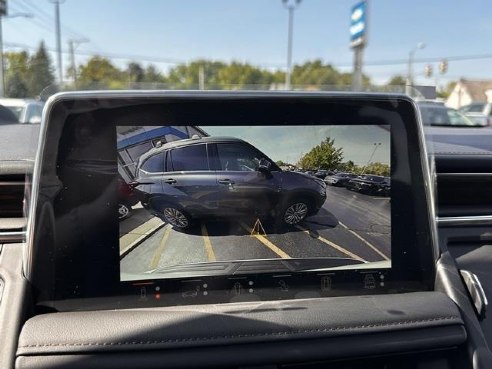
(2, 69)
(411, 54)
(290, 5)
(376, 145)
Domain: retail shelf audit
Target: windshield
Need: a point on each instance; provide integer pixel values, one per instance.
(473, 108)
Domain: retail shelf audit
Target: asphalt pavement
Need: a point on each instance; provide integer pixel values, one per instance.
(348, 225)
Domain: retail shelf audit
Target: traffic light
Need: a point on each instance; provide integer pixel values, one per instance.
(428, 70)
(443, 66)
(3, 7)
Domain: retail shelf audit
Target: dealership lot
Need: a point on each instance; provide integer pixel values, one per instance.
(349, 225)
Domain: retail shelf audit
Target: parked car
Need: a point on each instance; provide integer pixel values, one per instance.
(126, 199)
(437, 114)
(339, 179)
(223, 177)
(26, 110)
(322, 173)
(369, 184)
(6, 116)
(479, 112)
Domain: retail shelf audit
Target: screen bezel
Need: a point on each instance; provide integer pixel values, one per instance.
(411, 224)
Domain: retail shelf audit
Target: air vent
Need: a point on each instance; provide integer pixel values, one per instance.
(464, 194)
(11, 196)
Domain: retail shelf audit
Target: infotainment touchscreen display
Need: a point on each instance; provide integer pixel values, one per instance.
(171, 198)
(205, 200)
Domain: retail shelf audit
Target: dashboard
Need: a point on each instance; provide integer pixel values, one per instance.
(209, 268)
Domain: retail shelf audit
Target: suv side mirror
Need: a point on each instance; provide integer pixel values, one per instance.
(264, 166)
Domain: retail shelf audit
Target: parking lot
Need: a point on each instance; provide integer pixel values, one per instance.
(348, 225)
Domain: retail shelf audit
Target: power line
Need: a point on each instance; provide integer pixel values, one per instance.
(155, 59)
(32, 20)
(49, 18)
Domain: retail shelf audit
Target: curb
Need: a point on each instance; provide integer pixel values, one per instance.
(139, 240)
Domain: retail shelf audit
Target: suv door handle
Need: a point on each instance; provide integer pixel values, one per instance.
(170, 181)
(226, 181)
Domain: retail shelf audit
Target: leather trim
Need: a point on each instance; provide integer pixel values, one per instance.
(229, 324)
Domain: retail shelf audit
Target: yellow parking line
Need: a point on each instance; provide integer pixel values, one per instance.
(158, 252)
(334, 245)
(208, 245)
(366, 242)
(277, 250)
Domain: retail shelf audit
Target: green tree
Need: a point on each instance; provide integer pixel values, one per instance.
(152, 75)
(323, 156)
(40, 71)
(186, 76)
(135, 72)
(240, 75)
(314, 73)
(17, 62)
(317, 74)
(101, 72)
(377, 168)
(348, 166)
(397, 80)
(16, 86)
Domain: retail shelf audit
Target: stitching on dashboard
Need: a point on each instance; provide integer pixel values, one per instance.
(265, 334)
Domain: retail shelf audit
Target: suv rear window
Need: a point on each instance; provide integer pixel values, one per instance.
(154, 164)
(190, 158)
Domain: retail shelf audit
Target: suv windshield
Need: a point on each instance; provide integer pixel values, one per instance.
(439, 115)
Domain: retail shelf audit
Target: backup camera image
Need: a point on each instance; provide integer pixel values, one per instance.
(215, 200)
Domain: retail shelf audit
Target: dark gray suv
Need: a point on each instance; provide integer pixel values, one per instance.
(222, 177)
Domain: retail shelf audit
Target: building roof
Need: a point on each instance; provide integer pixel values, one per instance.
(476, 88)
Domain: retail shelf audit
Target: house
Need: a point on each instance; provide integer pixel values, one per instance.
(468, 91)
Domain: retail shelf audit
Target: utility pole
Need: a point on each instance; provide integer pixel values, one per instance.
(58, 39)
(411, 55)
(290, 6)
(72, 45)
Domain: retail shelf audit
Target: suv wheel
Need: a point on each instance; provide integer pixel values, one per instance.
(123, 211)
(295, 212)
(176, 217)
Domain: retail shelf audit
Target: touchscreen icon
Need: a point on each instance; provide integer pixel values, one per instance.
(143, 293)
(325, 284)
(237, 289)
(191, 293)
(283, 286)
(369, 282)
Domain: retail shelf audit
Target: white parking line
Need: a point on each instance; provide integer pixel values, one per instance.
(374, 248)
(333, 244)
(266, 242)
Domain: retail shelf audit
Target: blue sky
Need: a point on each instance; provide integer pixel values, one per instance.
(289, 144)
(255, 31)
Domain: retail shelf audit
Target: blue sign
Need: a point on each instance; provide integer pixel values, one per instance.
(358, 24)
